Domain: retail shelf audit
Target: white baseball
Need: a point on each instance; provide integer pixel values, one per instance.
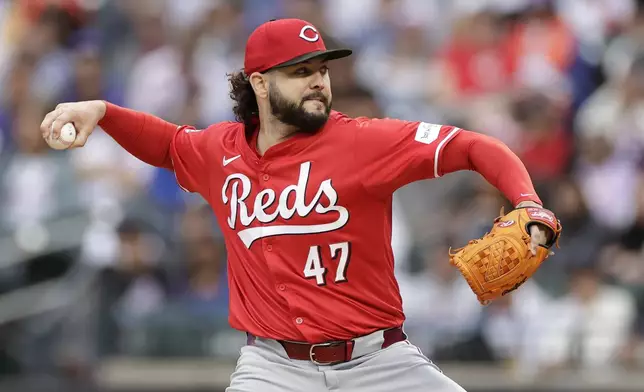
(65, 139)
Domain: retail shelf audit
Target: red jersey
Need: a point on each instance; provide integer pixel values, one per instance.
(307, 225)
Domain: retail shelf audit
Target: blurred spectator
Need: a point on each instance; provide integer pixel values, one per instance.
(589, 327)
(401, 75)
(132, 289)
(475, 61)
(582, 241)
(611, 145)
(356, 102)
(309, 10)
(90, 80)
(197, 304)
(37, 183)
(509, 323)
(542, 47)
(622, 261)
(218, 50)
(624, 47)
(594, 23)
(545, 145)
(442, 312)
(203, 289)
(156, 83)
(48, 40)
(352, 21)
(16, 91)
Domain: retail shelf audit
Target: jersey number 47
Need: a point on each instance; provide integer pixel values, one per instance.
(314, 267)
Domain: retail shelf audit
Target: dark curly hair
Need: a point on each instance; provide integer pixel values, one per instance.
(245, 109)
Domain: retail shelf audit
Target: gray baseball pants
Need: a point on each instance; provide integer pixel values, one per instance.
(265, 367)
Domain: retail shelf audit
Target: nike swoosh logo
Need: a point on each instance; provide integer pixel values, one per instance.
(227, 161)
(526, 194)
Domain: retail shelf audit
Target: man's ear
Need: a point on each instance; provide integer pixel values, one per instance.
(259, 82)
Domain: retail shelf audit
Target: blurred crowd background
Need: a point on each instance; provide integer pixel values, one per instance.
(104, 256)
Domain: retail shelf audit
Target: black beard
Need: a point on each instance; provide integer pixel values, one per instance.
(295, 115)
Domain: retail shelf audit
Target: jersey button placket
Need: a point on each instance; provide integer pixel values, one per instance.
(299, 321)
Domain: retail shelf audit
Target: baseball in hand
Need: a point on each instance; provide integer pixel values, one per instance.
(66, 138)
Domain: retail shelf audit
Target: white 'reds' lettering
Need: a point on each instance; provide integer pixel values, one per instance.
(261, 205)
(266, 198)
(237, 199)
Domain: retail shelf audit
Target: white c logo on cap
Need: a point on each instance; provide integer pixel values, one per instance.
(310, 39)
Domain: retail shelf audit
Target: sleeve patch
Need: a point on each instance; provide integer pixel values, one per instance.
(426, 133)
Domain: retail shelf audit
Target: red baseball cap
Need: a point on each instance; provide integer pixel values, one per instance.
(284, 42)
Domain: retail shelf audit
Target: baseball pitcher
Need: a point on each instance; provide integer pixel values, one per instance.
(303, 195)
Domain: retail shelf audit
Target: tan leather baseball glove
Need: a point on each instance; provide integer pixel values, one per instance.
(502, 260)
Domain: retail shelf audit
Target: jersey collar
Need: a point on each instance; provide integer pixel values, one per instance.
(247, 143)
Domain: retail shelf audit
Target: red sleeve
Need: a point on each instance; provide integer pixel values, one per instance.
(494, 161)
(159, 143)
(145, 136)
(188, 152)
(392, 153)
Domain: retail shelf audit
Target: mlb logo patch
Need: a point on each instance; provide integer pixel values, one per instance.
(427, 133)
